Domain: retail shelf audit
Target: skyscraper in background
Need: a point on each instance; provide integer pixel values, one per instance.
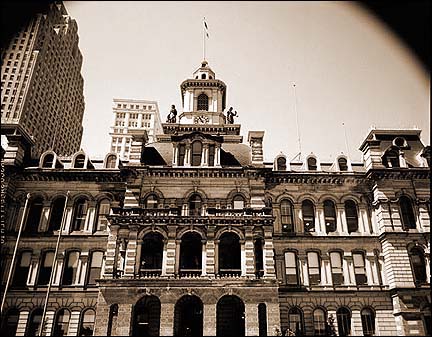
(133, 114)
(41, 83)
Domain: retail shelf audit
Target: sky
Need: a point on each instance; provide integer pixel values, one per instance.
(350, 72)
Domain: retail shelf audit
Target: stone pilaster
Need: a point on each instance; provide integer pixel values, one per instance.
(171, 251)
(210, 252)
(268, 257)
(110, 262)
(131, 252)
(43, 224)
(209, 319)
(124, 319)
(166, 319)
(249, 256)
(251, 319)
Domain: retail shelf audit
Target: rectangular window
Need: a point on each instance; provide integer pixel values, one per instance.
(71, 268)
(45, 269)
(359, 268)
(336, 267)
(314, 268)
(291, 268)
(95, 267)
(22, 270)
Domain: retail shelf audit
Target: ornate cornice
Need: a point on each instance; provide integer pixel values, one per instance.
(71, 175)
(398, 173)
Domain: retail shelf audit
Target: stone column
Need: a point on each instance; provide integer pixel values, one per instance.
(350, 266)
(177, 256)
(175, 155)
(82, 272)
(90, 217)
(171, 251)
(424, 217)
(320, 225)
(58, 269)
(43, 225)
(203, 258)
(342, 219)
(298, 219)
(249, 254)
(34, 267)
(124, 319)
(166, 319)
(209, 319)
(325, 266)
(131, 252)
(251, 319)
(368, 267)
(22, 323)
(242, 258)
(364, 221)
(268, 257)
(68, 218)
(216, 256)
(164, 257)
(110, 263)
(427, 263)
(187, 159)
(303, 269)
(74, 323)
(210, 252)
(217, 155)
(204, 155)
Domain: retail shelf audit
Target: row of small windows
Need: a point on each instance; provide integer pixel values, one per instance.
(407, 216)
(311, 162)
(134, 106)
(48, 161)
(292, 275)
(69, 273)
(60, 327)
(196, 154)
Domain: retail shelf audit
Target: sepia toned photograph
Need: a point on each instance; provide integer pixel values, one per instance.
(215, 168)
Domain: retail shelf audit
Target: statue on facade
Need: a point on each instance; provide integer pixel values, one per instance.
(172, 116)
(230, 115)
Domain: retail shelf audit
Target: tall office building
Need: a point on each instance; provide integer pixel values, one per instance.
(41, 83)
(133, 114)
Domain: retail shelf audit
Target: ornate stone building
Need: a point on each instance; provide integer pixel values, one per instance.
(200, 236)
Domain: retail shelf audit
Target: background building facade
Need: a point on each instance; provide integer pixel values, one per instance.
(136, 115)
(199, 236)
(41, 83)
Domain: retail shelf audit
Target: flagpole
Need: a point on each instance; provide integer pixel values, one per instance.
(15, 252)
(41, 328)
(204, 46)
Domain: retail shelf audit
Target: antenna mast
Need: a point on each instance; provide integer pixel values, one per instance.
(297, 123)
(346, 141)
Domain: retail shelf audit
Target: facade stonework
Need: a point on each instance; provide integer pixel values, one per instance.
(198, 235)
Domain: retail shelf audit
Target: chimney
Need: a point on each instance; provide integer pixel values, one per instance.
(18, 149)
(255, 139)
(139, 139)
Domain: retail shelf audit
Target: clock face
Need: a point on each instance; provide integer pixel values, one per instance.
(201, 119)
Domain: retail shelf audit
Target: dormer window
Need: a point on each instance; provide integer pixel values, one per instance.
(196, 153)
(391, 158)
(111, 161)
(79, 161)
(343, 164)
(48, 161)
(203, 103)
(312, 164)
(400, 142)
(281, 164)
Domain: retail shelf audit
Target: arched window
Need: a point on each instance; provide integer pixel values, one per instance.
(56, 214)
(22, 269)
(104, 208)
(368, 322)
(190, 254)
(95, 267)
(45, 268)
(407, 213)
(336, 268)
(391, 158)
(343, 164)
(262, 319)
(312, 164)
(151, 253)
(259, 258)
(80, 213)
(229, 254)
(287, 221)
(70, 268)
(34, 215)
(10, 322)
(359, 268)
(291, 268)
(181, 154)
(146, 320)
(111, 161)
(330, 216)
(61, 324)
(314, 268)
(195, 205)
(343, 316)
(34, 322)
(203, 76)
(79, 161)
(281, 164)
(48, 161)
(112, 319)
(351, 216)
(151, 201)
(87, 323)
(295, 321)
(308, 213)
(203, 102)
(196, 153)
(238, 202)
(320, 320)
(418, 265)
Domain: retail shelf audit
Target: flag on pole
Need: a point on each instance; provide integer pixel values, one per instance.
(206, 27)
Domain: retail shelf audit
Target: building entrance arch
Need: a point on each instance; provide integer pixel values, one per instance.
(188, 316)
(146, 316)
(230, 316)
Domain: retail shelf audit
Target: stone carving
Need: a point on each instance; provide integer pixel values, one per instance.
(172, 116)
(230, 116)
